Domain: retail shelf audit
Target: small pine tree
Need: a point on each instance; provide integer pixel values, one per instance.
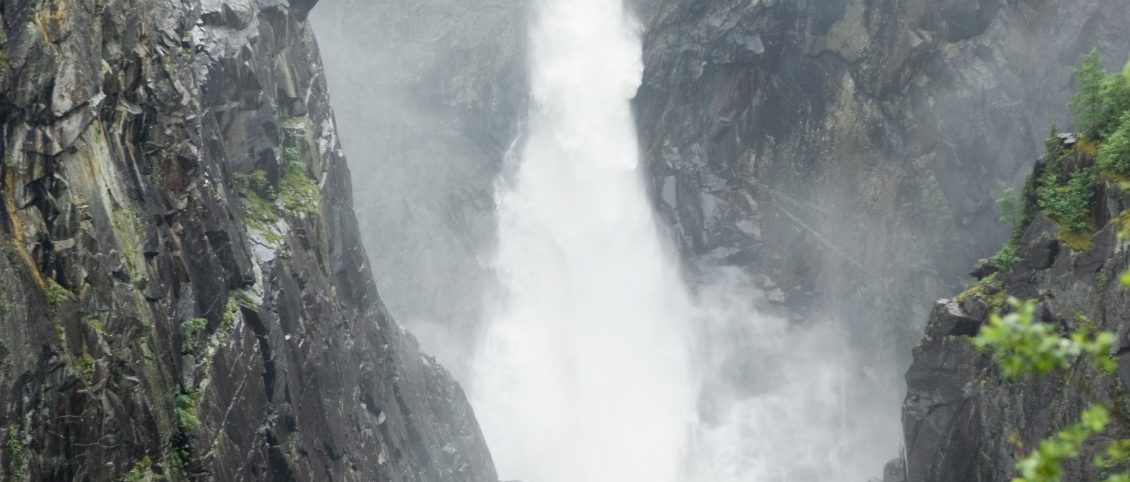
(1053, 149)
(1088, 104)
(1116, 95)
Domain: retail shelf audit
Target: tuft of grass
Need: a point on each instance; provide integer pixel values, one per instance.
(186, 410)
(987, 290)
(1008, 255)
(1087, 147)
(190, 328)
(299, 193)
(253, 181)
(1078, 241)
(85, 366)
(142, 471)
(56, 295)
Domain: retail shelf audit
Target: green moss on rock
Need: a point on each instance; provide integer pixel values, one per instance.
(56, 295)
(142, 471)
(190, 329)
(17, 454)
(299, 193)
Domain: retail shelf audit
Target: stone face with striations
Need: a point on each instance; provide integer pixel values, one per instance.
(962, 421)
(852, 150)
(184, 293)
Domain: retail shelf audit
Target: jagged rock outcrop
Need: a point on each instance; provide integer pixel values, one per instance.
(185, 294)
(962, 420)
(850, 150)
(848, 153)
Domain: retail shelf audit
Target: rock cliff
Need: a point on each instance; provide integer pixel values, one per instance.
(847, 154)
(962, 420)
(185, 295)
(849, 151)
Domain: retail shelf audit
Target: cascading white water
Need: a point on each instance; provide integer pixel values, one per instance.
(583, 374)
(585, 371)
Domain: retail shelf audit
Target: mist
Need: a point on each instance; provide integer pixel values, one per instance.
(512, 230)
(583, 372)
(564, 240)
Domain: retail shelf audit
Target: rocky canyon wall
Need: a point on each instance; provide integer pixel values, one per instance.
(185, 295)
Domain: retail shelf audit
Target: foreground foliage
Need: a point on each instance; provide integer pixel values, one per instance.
(1024, 346)
(1021, 344)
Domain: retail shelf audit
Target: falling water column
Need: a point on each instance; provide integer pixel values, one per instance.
(583, 373)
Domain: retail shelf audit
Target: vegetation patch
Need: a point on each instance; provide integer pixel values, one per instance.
(1008, 255)
(1068, 204)
(85, 366)
(1023, 345)
(190, 330)
(258, 198)
(300, 194)
(56, 295)
(264, 205)
(1078, 241)
(988, 291)
(17, 454)
(1046, 463)
(1114, 155)
(142, 471)
(186, 410)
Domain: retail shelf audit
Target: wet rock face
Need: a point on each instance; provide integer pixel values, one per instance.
(185, 292)
(962, 421)
(851, 150)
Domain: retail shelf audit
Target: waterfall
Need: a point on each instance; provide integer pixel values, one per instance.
(588, 370)
(583, 373)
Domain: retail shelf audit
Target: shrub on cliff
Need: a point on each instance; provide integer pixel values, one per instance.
(1114, 155)
(1022, 346)
(1070, 204)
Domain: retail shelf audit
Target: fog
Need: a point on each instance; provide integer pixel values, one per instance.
(511, 231)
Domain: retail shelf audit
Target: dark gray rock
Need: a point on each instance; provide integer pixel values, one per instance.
(865, 142)
(962, 420)
(895, 471)
(950, 319)
(984, 268)
(161, 318)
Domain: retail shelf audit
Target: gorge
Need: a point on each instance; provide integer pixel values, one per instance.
(645, 240)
